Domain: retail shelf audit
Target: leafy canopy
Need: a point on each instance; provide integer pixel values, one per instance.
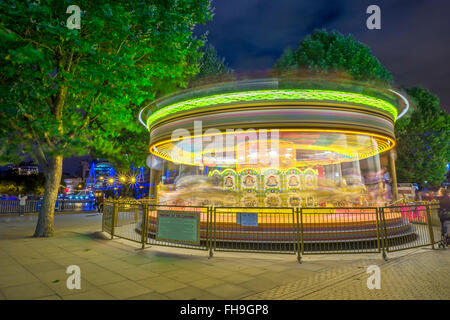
(212, 67)
(423, 139)
(64, 91)
(324, 51)
(211, 63)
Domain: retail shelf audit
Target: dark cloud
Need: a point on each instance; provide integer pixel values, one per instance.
(413, 43)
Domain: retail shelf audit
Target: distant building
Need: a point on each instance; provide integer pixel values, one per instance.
(73, 184)
(85, 167)
(27, 168)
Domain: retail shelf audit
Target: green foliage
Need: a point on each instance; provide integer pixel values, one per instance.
(212, 67)
(324, 51)
(211, 63)
(287, 61)
(12, 183)
(423, 141)
(69, 92)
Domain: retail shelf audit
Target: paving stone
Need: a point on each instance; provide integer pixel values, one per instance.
(238, 278)
(205, 283)
(116, 266)
(137, 273)
(52, 297)
(184, 275)
(162, 284)
(258, 284)
(27, 291)
(125, 289)
(95, 294)
(14, 279)
(209, 296)
(228, 291)
(44, 266)
(253, 271)
(150, 296)
(103, 277)
(186, 293)
(137, 260)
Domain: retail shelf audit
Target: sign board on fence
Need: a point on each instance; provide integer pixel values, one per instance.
(178, 226)
(247, 219)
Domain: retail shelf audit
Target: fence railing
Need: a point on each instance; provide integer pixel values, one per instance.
(340, 230)
(299, 231)
(255, 229)
(413, 227)
(13, 206)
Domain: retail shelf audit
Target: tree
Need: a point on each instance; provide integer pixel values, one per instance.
(324, 51)
(212, 67)
(422, 135)
(287, 61)
(66, 91)
(423, 141)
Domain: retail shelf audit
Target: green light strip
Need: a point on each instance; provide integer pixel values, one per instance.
(316, 95)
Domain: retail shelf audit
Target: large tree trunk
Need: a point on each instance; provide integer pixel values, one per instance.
(45, 225)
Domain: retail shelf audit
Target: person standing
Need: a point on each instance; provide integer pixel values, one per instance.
(100, 203)
(22, 203)
(444, 210)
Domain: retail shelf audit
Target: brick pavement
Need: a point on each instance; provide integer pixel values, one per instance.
(35, 269)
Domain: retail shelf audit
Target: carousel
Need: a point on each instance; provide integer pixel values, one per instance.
(279, 143)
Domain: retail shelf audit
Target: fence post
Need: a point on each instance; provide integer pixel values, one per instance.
(299, 254)
(114, 218)
(136, 213)
(302, 236)
(430, 226)
(214, 223)
(103, 222)
(209, 230)
(382, 232)
(143, 224)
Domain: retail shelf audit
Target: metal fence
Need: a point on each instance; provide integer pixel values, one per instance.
(299, 231)
(139, 221)
(13, 206)
(339, 230)
(411, 227)
(108, 218)
(199, 215)
(255, 229)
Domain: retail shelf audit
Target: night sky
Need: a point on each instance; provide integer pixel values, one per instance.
(413, 43)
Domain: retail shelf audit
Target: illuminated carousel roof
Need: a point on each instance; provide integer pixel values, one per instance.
(322, 122)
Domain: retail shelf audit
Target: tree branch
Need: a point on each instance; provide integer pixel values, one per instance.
(40, 156)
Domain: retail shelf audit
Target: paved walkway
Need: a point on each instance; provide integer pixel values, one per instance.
(117, 269)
